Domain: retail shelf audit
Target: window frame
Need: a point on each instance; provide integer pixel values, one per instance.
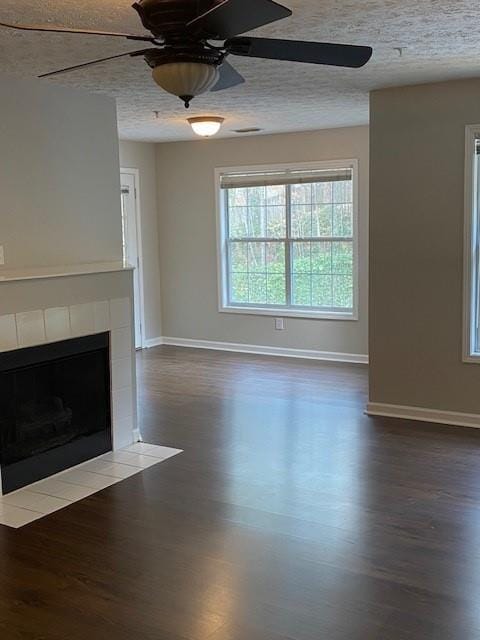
(471, 251)
(222, 245)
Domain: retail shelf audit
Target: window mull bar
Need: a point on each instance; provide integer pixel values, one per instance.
(275, 178)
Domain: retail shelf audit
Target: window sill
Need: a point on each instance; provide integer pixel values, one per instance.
(472, 358)
(291, 313)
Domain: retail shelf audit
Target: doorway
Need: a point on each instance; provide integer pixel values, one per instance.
(132, 246)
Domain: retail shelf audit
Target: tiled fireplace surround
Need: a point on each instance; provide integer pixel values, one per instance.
(38, 308)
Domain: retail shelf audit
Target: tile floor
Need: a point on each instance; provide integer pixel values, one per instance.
(41, 498)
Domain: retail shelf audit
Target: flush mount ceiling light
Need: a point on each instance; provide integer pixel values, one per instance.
(206, 126)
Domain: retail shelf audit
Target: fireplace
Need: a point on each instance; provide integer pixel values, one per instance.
(55, 408)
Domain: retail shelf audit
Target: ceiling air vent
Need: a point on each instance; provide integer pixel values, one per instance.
(250, 130)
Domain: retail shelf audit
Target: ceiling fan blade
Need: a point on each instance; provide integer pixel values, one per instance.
(339, 55)
(56, 29)
(232, 17)
(229, 78)
(93, 62)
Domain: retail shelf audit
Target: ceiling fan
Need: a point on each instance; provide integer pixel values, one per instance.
(184, 58)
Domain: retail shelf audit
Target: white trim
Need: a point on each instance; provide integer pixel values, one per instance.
(149, 343)
(223, 306)
(138, 213)
(309, 354)
(221, 258)
(282, 312)
(470, 247)
(137, 436)
(64, 271)
(422, 414)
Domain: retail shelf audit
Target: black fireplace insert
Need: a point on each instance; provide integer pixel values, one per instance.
(54, 408)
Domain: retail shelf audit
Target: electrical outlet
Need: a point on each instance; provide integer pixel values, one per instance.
(2, 255)
(279, 324)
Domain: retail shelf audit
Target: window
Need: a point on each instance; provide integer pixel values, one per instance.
(287, 239)
(472, 244)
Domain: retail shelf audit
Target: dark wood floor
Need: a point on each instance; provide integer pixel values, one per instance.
(290, 515)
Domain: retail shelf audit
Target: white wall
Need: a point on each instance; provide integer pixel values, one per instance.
(187, 237)
(59, 175)
(141, 156)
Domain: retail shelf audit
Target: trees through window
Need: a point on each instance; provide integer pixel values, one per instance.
(289, 239)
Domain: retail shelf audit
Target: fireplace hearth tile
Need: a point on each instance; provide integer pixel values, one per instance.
(56, 488)
(57, 324)
(16, 517)
(27, 499)
(121, 343)
(122, 432)
(38, 500)
(131, 458)
(121, 374)
(30, 328)
(101, 314)
(153, 450)
(122, 403)
(120, 313)
(86, 479)
(8, 333)
(108, 468)
(82, 319)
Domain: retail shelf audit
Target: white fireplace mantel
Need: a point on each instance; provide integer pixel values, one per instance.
(62, 271)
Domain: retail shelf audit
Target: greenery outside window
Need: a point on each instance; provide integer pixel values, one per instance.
(288, 240)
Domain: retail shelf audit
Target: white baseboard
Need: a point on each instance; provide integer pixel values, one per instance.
(152, 342)
(424, 415)
(267, 351)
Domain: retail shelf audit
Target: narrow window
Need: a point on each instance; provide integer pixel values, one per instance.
(472, 242)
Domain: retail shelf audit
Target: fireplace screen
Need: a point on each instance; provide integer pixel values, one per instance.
(54, 408)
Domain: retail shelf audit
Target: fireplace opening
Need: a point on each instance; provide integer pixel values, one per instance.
(54, 408)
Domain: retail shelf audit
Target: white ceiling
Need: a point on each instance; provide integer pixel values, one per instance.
(440, 40)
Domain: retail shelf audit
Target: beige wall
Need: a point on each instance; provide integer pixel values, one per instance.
(59, 182)
(416, 240)
(188, 254)
(141, 156)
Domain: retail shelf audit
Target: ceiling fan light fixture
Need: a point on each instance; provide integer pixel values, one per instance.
(186, 79)
(206, 126)
(186, 64)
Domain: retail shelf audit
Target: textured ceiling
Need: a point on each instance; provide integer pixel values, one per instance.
(439, 40)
